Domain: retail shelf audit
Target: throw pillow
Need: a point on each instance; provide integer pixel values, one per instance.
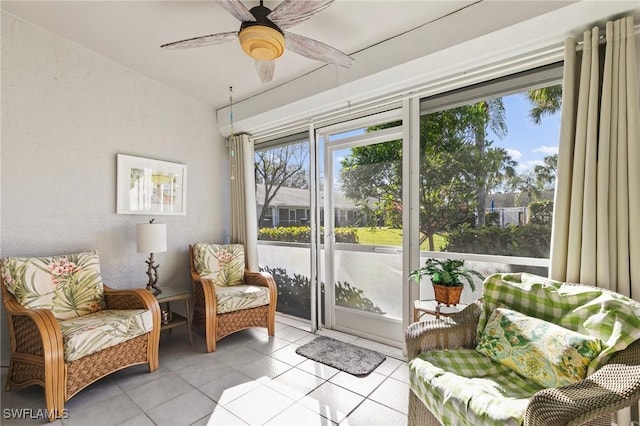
(69, 285)
(222, 263)
(544, 352)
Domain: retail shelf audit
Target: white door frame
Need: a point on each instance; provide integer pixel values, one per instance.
(372, 326)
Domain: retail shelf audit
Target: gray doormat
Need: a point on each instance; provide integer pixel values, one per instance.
(343, 356)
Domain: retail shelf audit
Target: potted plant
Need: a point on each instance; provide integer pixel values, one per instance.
(447, 276)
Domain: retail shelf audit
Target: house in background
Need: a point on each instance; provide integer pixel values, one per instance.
(290, 207)
(507, 210)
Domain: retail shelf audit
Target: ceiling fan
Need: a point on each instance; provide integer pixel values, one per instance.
(263, 34)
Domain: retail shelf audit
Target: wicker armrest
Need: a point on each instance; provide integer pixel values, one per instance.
(194, 275)
(263, 279)
(26, 325)
(614, 386)
(457, 331)
(129, 299)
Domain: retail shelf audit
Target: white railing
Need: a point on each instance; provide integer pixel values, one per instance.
(377, 270)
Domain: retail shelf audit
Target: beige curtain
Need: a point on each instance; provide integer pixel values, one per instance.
(596, 224)
(244, 226)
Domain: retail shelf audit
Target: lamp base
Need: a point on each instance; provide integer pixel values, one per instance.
(152, 273)
(154, 289)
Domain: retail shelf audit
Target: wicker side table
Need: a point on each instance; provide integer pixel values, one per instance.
(170, 319)
(431, 307)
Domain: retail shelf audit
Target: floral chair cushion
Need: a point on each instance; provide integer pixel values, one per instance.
(464, 387)
(100, 330)
(68, 285)
(221, 263)
(546, 353)
(592, 311)
(237, 297)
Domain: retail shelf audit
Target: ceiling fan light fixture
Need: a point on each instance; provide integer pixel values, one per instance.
(262, 42)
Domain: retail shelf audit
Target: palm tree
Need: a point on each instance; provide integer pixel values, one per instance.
(544, 101)
(491, 114)
(526, 187)
(546, 174)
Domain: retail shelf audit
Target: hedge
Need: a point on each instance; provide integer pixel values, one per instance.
(541, 212)
(526, 241)
(301, 234)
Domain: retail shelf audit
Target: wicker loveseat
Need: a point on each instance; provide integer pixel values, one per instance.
(532, 351)
(229, 297)
(67, 329)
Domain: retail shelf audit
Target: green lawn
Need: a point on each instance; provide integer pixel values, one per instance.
(392, 237)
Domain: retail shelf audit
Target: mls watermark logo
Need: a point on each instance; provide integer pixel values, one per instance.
(33, 413)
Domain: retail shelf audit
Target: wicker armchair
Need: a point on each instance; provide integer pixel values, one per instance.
(588, 402)
(228, 297)
(40, 345)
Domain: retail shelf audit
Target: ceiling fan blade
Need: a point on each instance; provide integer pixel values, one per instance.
(292, 12)
(237, 9)
(265, 70)
(207, 40)
(313, 49)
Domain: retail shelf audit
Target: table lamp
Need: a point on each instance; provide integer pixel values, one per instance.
(152, 238)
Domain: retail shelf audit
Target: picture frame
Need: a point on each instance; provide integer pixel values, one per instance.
(150, 187)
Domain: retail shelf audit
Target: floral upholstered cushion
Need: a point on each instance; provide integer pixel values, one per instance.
(68, 285)
(237, 297)
(222, 263)
(592, 311)
(100, 330)
(550, 355)
(464, 387)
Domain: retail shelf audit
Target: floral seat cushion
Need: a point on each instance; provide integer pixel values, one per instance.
(70, 285)
(224, 264)
(100, 330)
(237, 297)
(464, 387)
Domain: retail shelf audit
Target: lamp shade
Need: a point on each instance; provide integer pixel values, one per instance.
(151, 237)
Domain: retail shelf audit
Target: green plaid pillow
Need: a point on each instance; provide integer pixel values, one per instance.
(550, 355)
(592, 311)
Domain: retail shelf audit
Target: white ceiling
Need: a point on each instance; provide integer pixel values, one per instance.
(131, 32)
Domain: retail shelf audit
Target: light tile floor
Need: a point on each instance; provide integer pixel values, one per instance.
(250, 379)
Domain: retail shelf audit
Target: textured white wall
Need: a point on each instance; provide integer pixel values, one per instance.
(66, 113)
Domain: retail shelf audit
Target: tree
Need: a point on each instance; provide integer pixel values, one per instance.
(546, 174)
(278, 167)
(544, 101)
(487, 114)
(374, 172)
(453, 164)
(526, 187)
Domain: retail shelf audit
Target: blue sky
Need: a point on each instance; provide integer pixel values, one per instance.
(527, 143)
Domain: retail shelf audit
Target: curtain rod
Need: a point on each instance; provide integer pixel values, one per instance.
(603, 35)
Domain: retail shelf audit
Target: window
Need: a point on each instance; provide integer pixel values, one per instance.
(282, 179)
(488, 157)
(282, 194)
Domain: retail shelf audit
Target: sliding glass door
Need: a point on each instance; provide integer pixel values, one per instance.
(363, 228)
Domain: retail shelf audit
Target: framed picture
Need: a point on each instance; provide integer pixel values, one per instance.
(151, 187)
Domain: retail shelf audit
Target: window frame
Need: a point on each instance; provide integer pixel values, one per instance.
(544, 76)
